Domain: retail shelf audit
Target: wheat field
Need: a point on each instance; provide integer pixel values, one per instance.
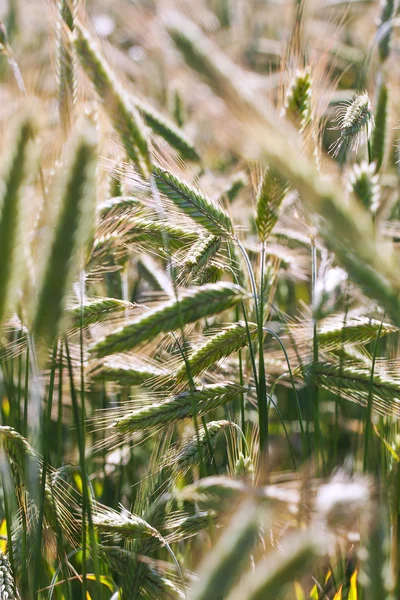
(199, 300)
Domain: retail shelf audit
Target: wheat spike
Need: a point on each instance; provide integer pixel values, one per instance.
(364, 183)
(8, 590)
(379, 134)
(120, 233)
(71, 233)
(352, 381)
(193, 203)
(216, 575)
(388, 12)
(126, 369)
(271, 192)
(336, 331)
(298, 100)
(10, 217)
(223, 344)
(96, 311)
(188, 453)
(200, 254)
(66, 70)
(193, 304)
(355, 121)
(180, 528)
(278, 569)
(122, 112)
(123, 523)
(211, 274)
(162, 414)
(167, 130)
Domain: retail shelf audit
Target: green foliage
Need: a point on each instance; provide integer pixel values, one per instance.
(72, 230)
(199, 386)
(10, 215)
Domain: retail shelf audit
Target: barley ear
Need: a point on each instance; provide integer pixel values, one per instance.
(120, 109)
(388, 12)
(271, 192)
(298, 108)
(167, 130)
(379, 134)
(176, 408)
(223, 344)
(71, 233)
(8, 589)
(66, 71)
(10, 217)
(355, 121)
(364, 183)
(192, 305)
(194, 203)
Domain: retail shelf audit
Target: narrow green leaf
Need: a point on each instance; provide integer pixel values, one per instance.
(71, 232)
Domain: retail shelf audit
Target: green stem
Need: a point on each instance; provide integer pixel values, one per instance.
(46, 460)
(368, 415)
(262, 388)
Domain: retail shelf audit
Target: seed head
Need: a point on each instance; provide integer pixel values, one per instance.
(354, 120)
(7, 585)
(364, 183)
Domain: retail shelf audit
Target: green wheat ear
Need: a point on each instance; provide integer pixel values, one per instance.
(193, 304)
(189, 453)
(223, 344)
(298, 107)
(10, 217)
(355, 121)
(270, 195)
(176, 408)
(201, 254)
(74, 224)
(8, 589)
(66, 72)
(364, 183)
(193, 203)
(167, 130)
(122, 112)
(379, 134)
(388, 12)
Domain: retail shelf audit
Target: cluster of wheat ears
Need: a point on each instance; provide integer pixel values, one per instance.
(199, 301)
